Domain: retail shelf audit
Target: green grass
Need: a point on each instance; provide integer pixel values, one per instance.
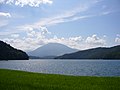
(20, 80)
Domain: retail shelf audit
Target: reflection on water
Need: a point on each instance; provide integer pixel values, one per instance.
(66, 67)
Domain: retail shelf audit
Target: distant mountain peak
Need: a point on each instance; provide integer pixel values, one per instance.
(51, 49)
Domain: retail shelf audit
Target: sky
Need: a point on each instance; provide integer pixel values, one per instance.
(80, 24)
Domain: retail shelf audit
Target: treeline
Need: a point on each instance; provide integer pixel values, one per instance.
(7, 52)
(96, 53)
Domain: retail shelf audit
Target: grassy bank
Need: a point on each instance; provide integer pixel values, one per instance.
(19, 80)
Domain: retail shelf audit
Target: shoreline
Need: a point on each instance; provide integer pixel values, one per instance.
(55, 73)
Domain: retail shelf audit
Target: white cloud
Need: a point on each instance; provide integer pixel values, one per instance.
(79, 42)
(73, 42)
(14, 35)
(95, 40)
(3, 14)
(106, 12)
(117, 39)
(66, 16)
(32, 3)
(118, 35)
(3, 23)
(36, 32)
(4, 18)
(44, 30)
(77, 39)
(35, 39)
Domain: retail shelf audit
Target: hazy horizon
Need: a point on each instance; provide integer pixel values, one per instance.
(79, 24)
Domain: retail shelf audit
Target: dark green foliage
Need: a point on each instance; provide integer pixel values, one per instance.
(19, 80)
(9, 53)
(96, 53)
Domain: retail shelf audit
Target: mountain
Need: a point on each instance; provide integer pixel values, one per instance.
(51, 50)
(7, 52)
(95, 53)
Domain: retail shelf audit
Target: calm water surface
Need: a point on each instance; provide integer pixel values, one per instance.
(66, 67)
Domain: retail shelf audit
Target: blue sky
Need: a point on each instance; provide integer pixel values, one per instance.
(81, 24)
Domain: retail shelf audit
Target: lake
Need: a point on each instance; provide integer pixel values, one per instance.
(66, 67)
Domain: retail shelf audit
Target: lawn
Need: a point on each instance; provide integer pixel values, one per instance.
(20, 80)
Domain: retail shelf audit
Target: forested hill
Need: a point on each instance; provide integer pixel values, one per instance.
(7, 52)
(96, 53)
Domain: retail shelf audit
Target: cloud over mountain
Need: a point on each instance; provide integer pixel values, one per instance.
(117, 39)
(37, 38)
(95, 40)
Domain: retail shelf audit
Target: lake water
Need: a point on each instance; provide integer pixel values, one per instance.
(66, 67)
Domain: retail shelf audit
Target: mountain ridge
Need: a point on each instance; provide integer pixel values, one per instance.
(94, 53)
